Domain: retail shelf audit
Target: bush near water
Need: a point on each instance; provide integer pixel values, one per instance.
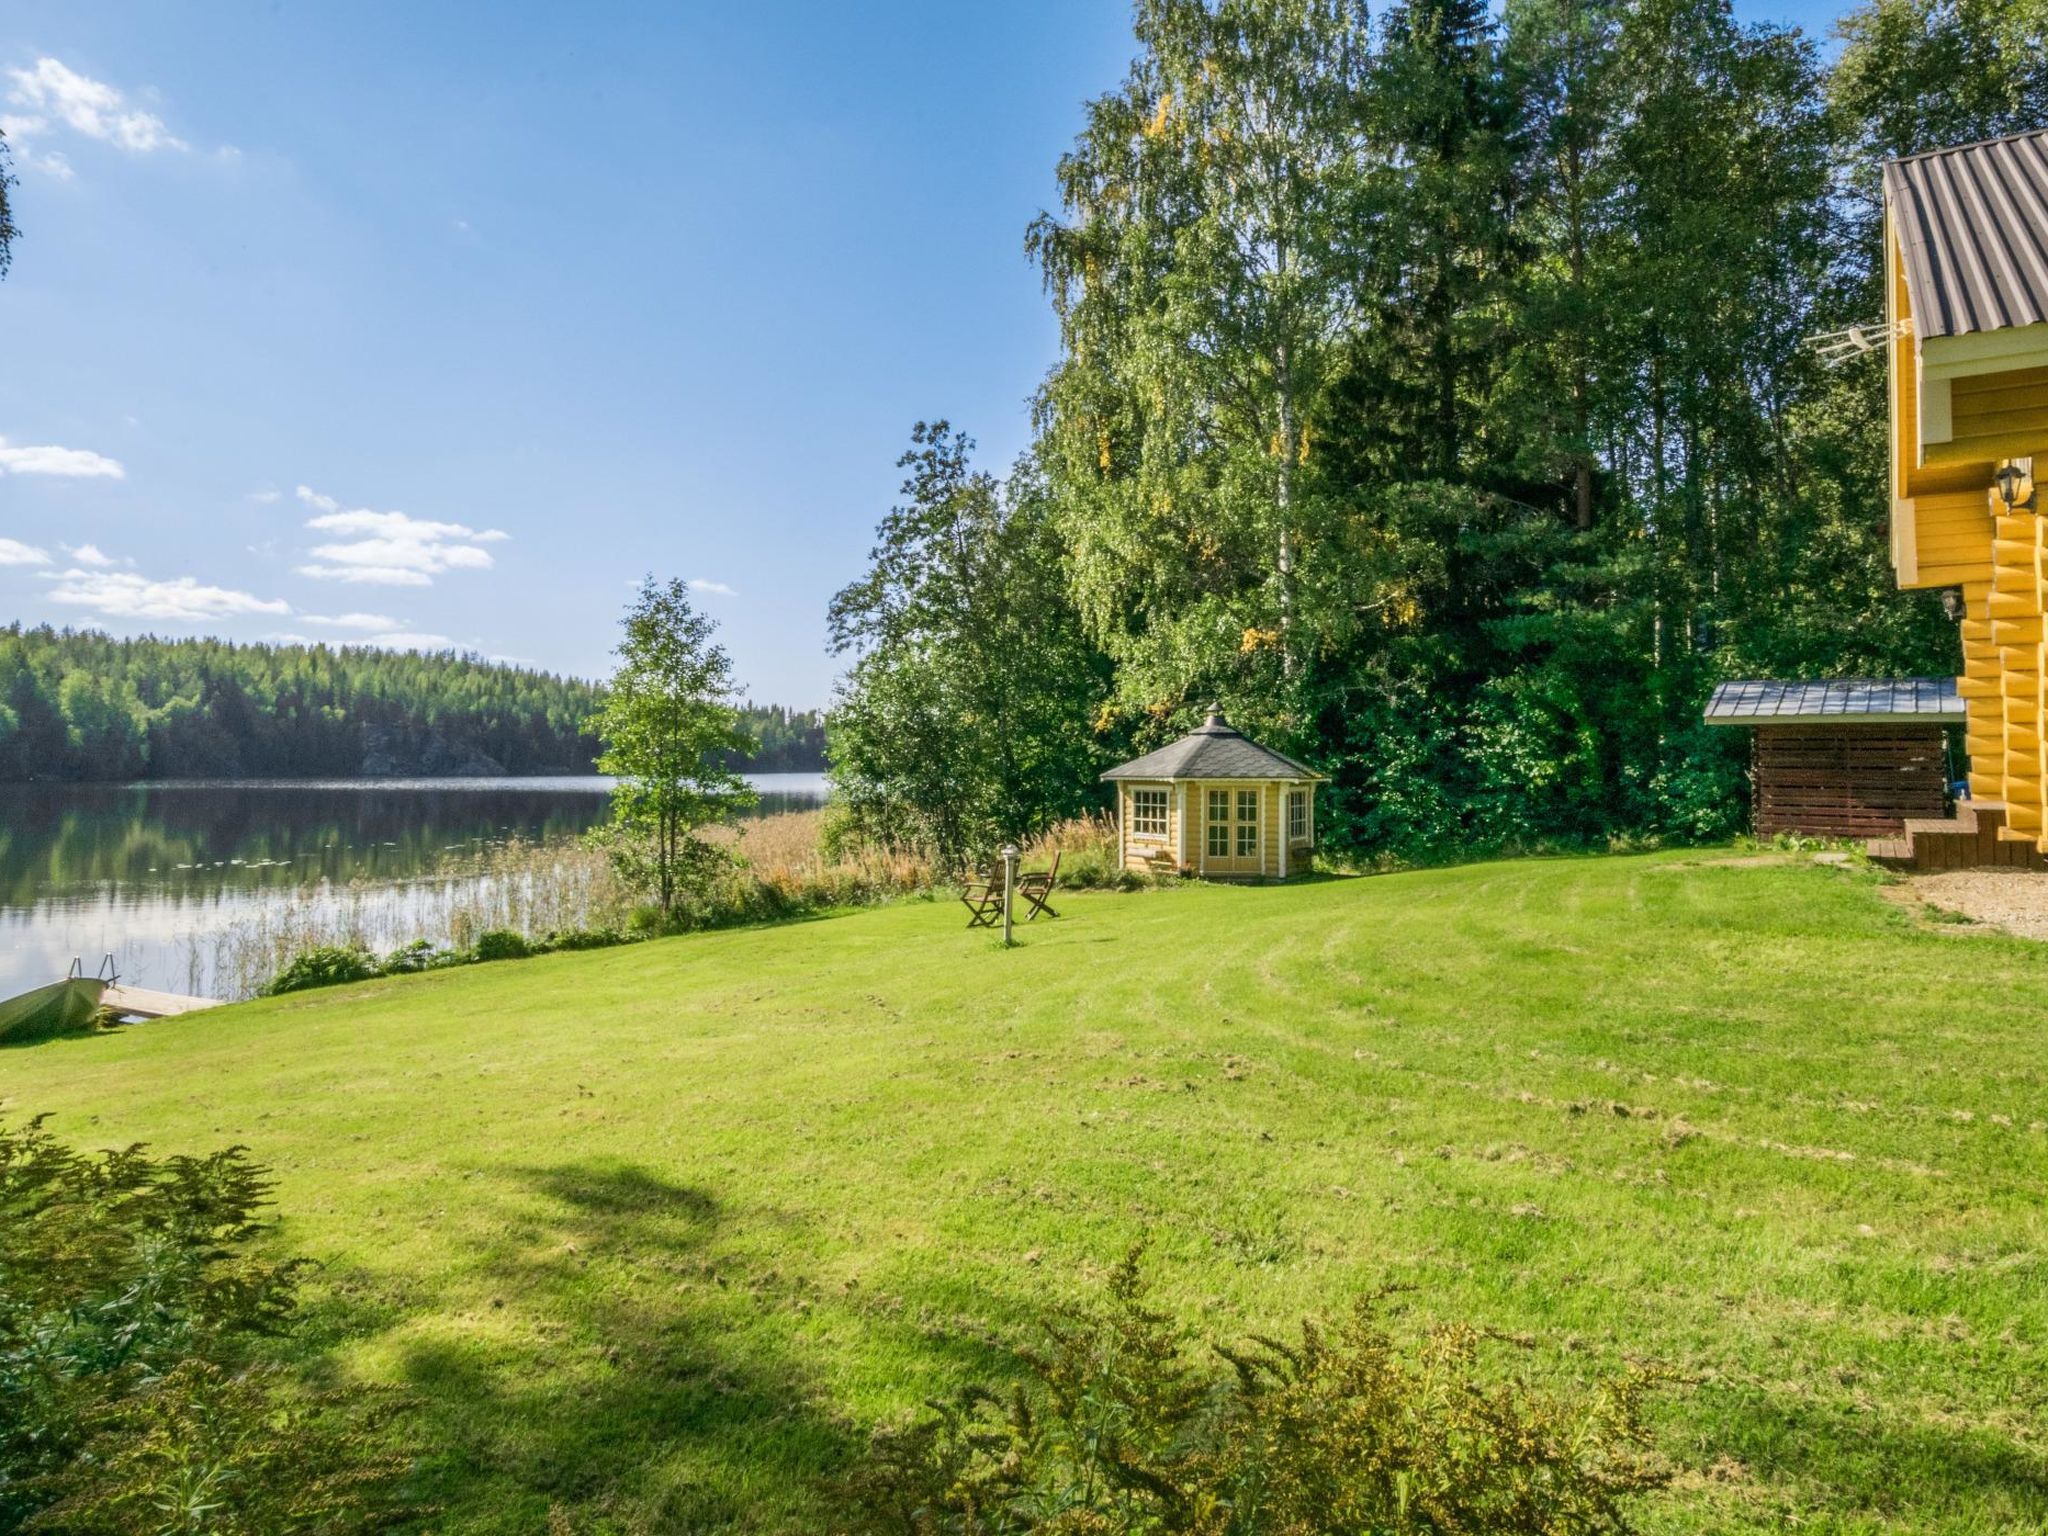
(782, 867)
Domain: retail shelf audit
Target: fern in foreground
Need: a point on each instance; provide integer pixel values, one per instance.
(132, 1399)
(1124, 1427)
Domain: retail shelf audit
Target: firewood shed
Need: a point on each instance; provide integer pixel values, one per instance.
(1852, 757)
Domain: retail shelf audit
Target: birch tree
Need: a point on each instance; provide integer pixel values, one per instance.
(670, 726)
(1203, 267)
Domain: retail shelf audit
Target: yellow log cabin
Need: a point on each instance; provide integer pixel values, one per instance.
(1966, 277)
(1218, 805)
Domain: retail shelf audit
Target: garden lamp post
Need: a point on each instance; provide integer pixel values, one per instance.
(1009, 887)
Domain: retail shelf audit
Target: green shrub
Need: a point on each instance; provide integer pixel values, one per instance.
(419, 955)
(132, 1400)
(587, 938)
(502, 944)
(1124, 1427)
(328, 965)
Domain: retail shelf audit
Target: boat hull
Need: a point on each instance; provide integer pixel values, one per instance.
(61, 1008)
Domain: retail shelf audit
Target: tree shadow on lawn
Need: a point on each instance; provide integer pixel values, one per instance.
(1858, 1460)
(623, 1374)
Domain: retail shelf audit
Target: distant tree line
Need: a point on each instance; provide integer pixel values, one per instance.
(1434, 393)
(80, 705)
(784, 740)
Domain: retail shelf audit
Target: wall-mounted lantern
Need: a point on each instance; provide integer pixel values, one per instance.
(2013, 484)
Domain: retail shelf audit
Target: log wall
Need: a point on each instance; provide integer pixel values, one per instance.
(1846, 780)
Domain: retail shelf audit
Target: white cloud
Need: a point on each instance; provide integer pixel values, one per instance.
(265, 497)
(411, 640)
(367, 575)
(75, 463)
(699, 584)
(52, 89)
(90, 554)
(125, 595)
(391, 549)
(19, 131)
(14, 552)
(369, 621)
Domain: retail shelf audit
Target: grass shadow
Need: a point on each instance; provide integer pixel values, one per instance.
(1825, 1446)
(611, 1364)
(620, 1379)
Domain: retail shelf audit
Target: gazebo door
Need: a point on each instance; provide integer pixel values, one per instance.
(1232, 831)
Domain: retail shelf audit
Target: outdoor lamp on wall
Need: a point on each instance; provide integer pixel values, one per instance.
(2013, 482)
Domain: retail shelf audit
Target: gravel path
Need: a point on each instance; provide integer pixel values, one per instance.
(2005, 898)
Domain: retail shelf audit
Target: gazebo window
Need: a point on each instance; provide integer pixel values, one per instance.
(1219, 823)
(1247, 823)
(1297, 815)
(1148, 813)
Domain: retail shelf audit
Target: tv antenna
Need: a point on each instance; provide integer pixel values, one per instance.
(1837, 347)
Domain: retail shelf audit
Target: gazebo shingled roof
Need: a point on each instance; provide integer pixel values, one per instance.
(1215, 749)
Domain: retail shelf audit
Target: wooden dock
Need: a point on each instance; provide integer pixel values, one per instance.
(141, 1003)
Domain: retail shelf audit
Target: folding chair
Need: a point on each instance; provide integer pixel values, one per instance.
(1036, 889)
(983, 900)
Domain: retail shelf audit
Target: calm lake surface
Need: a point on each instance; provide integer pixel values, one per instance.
(148, 872)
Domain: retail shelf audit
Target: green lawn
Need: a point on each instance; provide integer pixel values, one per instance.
(651, 1234)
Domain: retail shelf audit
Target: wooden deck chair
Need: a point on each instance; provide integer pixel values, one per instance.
(1036, 889)
(983, 900)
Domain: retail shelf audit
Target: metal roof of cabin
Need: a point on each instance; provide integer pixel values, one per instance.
(1215, 749)
(1973, 230)
(1864, 700)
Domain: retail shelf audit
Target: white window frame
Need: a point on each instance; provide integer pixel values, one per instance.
(1139, 831)
(1297, 800)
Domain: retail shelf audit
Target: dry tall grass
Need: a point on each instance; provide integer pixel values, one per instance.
(529, 888)
(785, 868)
(536, 890)
(1087, 849)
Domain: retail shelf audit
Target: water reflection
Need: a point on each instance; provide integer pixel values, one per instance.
(141, 870)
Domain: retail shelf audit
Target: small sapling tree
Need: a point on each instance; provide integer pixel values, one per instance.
(669, 722)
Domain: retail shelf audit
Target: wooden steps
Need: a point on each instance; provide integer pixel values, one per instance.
(1976, 837)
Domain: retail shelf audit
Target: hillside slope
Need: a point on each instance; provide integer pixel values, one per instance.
(652, 1234)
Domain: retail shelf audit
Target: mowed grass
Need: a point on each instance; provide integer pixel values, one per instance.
(650, 1236)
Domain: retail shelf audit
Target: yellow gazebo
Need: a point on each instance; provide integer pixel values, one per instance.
(1218, 805)
(1966, 279)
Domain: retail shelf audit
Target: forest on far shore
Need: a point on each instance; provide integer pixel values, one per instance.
(81, 705)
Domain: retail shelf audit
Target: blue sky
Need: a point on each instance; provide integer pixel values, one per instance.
(443, 324)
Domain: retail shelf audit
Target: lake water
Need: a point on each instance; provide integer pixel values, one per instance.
(151, 872)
